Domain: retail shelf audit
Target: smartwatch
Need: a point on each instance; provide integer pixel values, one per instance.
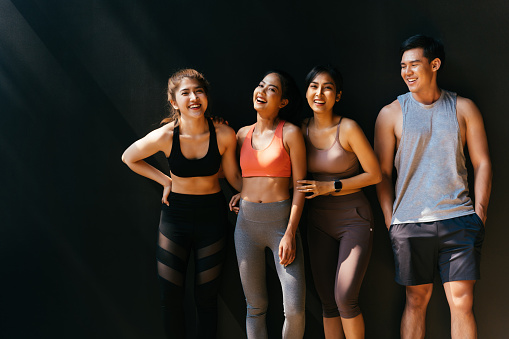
(338, 185)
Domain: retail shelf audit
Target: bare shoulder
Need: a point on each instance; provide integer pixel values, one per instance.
(225, 133)
(224, 130)
(466, 108)
(242, 132)
(348, 124)
(390, 111)
(163, 133)
(289, 128)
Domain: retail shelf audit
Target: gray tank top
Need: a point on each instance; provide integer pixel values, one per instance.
(432, 176)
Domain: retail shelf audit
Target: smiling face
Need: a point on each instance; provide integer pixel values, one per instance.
(322, 94)
(190, 98)
(417, 71)
(268, 95)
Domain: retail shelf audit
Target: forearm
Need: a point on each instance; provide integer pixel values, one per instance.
(235, 180)
(482, 188)
(385, 193)
(295, 212)
(143, 168)
(355, 182)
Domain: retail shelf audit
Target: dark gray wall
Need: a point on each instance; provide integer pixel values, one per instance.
(81, 80)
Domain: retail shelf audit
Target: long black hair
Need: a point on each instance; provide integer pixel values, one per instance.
(290, 91)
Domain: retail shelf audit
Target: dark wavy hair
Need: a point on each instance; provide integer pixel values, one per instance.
(290, 91)
(432, 48)
(174, 83)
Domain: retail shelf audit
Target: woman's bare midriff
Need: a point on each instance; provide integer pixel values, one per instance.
(265, 189)
(195, 185)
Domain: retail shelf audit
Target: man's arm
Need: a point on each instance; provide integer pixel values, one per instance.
(385, 144)
(477, 143)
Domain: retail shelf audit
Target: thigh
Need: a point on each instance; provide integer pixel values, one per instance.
(209, 240)
(415, 248)
(250, 258)
(292, 278)
(323, 256)
(353, 259)
(460, 248)
(174, 245)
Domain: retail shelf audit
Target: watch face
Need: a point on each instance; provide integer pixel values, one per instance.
(338, 185)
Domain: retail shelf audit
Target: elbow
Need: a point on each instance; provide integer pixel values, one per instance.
(377, 178)
(126, 159)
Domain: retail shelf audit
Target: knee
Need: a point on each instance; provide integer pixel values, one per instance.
(348, 306)
(461, 303)
(418, 298)
(330, 309)
(295, 315)
(257, 307)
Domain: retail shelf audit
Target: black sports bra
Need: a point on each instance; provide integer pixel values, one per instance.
(203, 167)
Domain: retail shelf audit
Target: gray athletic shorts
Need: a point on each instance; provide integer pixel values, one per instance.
(451, 246)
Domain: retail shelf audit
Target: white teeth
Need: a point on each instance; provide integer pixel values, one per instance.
(194, 106)
(260, 100)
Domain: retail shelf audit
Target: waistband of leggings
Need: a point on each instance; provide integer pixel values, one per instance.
(263, 212)
(196, 198)
(345, 201)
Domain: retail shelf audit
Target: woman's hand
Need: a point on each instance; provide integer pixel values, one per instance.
(166, 193)
(234, 202)
(315, 187)
(287, 248)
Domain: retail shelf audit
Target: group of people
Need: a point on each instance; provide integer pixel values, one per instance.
(277, 163)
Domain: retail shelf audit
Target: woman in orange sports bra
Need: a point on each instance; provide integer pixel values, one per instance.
(272, 158)
(340, 222)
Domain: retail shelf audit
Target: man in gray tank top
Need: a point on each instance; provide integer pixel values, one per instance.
(433, 224)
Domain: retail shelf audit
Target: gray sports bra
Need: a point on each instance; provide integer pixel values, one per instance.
(332, 163)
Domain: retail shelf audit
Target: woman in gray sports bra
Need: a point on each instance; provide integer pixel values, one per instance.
(340, 222)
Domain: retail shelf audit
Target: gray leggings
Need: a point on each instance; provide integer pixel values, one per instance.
(262, 225)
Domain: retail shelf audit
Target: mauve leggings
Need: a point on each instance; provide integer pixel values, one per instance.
(262, 225)
(340, 234)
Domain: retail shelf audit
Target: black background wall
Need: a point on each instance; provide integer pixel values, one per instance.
(81, 80)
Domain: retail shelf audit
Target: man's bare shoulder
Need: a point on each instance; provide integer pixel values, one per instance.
(466, 108)
(390, 113)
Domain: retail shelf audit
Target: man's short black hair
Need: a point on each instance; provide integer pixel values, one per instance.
(432, 48)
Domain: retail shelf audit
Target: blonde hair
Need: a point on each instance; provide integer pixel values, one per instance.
(174, 83)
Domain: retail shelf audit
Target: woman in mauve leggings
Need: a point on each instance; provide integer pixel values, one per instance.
(340, 222)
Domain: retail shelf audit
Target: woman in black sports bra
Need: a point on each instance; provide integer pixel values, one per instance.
(194, 210)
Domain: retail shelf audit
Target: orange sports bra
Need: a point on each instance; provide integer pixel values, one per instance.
(273, 161)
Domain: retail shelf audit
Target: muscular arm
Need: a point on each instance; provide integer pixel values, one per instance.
(155, 141)
(477, 143)
(385, 145)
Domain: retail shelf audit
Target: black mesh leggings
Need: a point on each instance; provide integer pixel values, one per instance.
(191, 223)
